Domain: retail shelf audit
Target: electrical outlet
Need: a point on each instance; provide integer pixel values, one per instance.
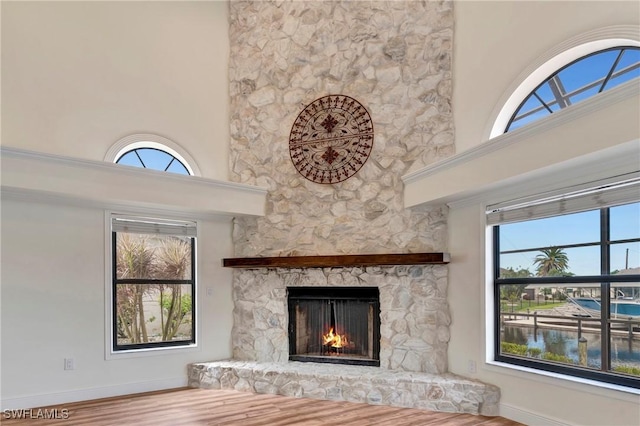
(471, 366)
(69, 364)
(209, 291)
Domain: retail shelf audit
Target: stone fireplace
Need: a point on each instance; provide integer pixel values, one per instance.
(414, 314)
(395, 59)
(414, 331)
(336, 325)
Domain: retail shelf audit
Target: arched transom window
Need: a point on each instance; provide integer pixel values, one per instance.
(578, 80)
(152, 152)
(153, 158)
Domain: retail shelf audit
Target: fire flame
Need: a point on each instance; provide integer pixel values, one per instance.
(335, 340)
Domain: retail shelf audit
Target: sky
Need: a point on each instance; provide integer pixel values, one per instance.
(576, 80)
(153, 159)
(575, 228)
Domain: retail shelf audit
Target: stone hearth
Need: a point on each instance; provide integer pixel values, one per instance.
(438, 392)
(414, 331)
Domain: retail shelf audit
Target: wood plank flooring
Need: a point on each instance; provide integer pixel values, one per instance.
(193, 407)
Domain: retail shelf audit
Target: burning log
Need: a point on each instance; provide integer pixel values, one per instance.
(335, 340)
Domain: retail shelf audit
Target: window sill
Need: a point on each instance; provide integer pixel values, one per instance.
(623, 393)
(148, 352)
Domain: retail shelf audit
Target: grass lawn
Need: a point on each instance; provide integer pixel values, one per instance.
(533, 307)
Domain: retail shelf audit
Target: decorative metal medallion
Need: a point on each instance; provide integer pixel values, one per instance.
(331, 139)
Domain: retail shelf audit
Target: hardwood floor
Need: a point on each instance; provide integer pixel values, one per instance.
(194, 407)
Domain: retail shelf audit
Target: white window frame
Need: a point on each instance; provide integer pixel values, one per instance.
(110, 354)
(610, 192)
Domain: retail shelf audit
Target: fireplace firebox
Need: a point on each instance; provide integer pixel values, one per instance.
(339, 325)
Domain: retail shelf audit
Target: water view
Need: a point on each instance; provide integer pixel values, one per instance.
(565, 343)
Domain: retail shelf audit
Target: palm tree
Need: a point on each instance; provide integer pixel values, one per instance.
(552, 262)
(174, 262)
(134, 260)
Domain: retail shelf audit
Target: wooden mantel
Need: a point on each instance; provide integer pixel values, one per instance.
(347, 260)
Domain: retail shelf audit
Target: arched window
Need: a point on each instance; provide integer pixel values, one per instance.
(153, 158)
(152, 152)
(563, 59)
(578, 80)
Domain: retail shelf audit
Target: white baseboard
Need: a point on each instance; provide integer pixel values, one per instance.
(527, 417)
(44, 400)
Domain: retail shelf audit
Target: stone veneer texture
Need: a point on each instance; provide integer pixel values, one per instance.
(394, 57)
(442, 392)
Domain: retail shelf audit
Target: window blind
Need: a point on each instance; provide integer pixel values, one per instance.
(142, 225)
(616, 191)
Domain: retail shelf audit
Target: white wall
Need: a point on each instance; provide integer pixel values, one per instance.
(53, 307)
(494, 43)
(78, 76)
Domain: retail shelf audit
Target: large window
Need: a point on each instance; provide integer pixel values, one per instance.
(567, 283)
(153, 292)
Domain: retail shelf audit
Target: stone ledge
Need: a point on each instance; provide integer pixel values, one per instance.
(371, 385)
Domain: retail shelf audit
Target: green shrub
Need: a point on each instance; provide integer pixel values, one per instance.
(635, 371)
(522, 350)
(513, 348)
(534, 352)
(550, 356)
